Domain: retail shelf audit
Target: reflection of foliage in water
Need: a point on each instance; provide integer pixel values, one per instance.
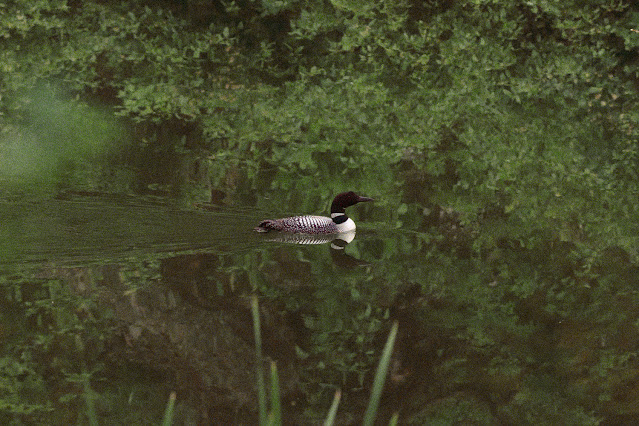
(512, 331)
(51, 344)
(53, 368)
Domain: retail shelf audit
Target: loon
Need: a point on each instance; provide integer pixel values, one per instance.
(336, 224)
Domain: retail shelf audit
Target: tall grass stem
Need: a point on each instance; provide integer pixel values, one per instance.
(261, 386)
(380, 377)
(169, 412)
(332, 413)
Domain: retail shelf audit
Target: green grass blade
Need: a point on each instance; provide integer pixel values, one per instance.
(332, 413)
(169, 411)
(89, 398)
(380, 377)
(394, 420)
(275, 416)
(261, 385)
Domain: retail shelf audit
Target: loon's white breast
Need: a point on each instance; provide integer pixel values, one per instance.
(336, 224)
(347, 226)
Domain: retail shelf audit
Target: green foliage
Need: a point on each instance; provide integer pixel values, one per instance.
(54, 142)
(49, 345)
(20, 388)
(52, 360)
(521, 116)
(273, 416)
(526, 108)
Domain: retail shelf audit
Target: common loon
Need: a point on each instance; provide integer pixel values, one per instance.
(336, 224)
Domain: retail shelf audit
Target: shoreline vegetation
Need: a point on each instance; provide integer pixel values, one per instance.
(523, 111)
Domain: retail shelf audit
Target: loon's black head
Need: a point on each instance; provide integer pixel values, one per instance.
(346, 199)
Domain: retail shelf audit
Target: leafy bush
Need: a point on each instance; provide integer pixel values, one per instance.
(525, 106)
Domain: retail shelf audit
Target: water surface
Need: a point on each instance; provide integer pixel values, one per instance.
(134, 298)
(98, 230)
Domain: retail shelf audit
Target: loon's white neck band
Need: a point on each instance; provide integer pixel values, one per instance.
(334, 215)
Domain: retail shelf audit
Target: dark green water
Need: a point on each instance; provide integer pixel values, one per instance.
(121, 301)
(96, 231)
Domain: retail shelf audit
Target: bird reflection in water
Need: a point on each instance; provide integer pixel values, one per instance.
(338, 243)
